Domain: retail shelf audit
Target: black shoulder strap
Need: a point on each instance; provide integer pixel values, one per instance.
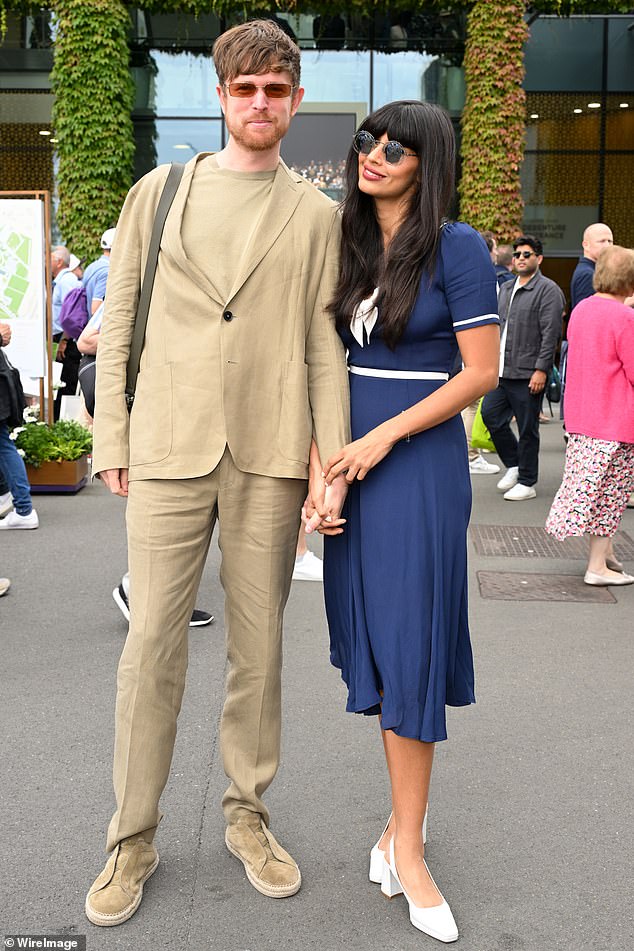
(167, 197)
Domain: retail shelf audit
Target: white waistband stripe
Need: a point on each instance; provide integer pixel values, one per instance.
(399, 374)
(473, 320)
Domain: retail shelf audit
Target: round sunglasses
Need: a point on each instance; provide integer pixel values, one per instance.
(393, 152)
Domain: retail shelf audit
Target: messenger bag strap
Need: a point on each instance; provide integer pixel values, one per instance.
(143, 308)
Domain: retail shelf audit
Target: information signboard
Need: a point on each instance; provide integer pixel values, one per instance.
(23, 282)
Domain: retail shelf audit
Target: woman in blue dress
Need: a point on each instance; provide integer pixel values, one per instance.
(412, 290)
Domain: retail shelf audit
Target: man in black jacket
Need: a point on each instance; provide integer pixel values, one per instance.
(596, 237)
(531, 310)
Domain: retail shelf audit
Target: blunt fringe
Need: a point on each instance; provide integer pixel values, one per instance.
(254, 47)
(427, 130)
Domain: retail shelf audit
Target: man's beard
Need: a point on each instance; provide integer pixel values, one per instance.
(259, 141)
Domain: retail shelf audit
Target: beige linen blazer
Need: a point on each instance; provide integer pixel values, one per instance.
(260, 371)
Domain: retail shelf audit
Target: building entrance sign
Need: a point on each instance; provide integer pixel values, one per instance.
(559, 227)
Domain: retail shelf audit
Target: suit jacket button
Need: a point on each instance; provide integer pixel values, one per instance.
(227, 315)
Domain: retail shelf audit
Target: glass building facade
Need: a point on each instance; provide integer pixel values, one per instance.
(579, 159)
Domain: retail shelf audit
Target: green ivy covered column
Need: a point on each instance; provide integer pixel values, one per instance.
(494, 117)
(91, 118)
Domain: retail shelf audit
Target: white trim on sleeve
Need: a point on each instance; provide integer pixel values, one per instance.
(473, 320)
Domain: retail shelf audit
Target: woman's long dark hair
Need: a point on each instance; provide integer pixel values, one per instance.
(427, 130)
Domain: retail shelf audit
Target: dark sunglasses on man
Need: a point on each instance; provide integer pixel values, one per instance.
(240, 90)
(523, 254)
(393, 152)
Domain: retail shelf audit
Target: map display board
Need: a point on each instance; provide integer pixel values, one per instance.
(22, 282)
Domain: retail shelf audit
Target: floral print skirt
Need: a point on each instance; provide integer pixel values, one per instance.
(598, 479)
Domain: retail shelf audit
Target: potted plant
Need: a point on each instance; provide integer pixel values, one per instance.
(56, 457)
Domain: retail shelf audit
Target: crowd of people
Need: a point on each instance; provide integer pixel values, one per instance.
(327, 176)
(270, 390)
(597, 362)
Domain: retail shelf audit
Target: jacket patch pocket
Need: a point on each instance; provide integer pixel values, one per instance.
(296, 421)
(151, 417)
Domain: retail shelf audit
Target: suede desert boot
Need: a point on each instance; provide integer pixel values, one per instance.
(269, 868)
(117, 892)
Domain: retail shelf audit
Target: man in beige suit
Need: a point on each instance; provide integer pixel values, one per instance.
(242, 377)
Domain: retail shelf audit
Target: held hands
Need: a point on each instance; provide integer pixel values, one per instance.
(537, 382)
(116, 480)
(326, 519)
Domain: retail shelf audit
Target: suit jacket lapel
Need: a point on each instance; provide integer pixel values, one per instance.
(172, 238)
(283, 200)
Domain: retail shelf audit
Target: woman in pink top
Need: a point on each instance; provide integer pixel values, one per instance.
(599, 472)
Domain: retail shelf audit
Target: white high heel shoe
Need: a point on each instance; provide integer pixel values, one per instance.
(437, 921)
(377, 856)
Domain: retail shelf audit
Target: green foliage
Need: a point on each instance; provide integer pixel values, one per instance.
(65, 440)
(91, 118)
(493, 118)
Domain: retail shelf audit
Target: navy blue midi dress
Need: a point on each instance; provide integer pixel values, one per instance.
(395, 581)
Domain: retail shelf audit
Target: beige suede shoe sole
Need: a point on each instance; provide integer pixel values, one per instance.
(109, 921)
(265, 888)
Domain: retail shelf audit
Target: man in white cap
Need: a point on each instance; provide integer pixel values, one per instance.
(76, 266)
(96, 274)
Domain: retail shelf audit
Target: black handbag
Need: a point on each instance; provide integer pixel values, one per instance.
(12, 395)
(87, 376)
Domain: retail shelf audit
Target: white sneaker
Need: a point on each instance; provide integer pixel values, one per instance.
(520, 493)
(308, 568)
(509, 479)
(479, 464)
(13, 520)
(6, 503)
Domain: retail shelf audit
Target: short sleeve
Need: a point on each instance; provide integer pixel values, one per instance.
(99, 289)
(468, 275)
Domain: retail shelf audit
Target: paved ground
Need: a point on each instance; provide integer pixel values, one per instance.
(531, 833)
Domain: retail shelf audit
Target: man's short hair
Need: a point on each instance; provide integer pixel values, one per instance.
(614, 271)
(504, 255)
(531, 241)
(254, 47)
(62, 253)
(489, 239)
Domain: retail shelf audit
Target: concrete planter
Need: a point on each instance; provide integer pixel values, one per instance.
(59, 476)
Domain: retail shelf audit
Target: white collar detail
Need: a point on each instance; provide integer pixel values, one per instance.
(365, 314)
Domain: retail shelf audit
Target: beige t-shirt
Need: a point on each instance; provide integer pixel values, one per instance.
(222, 211)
